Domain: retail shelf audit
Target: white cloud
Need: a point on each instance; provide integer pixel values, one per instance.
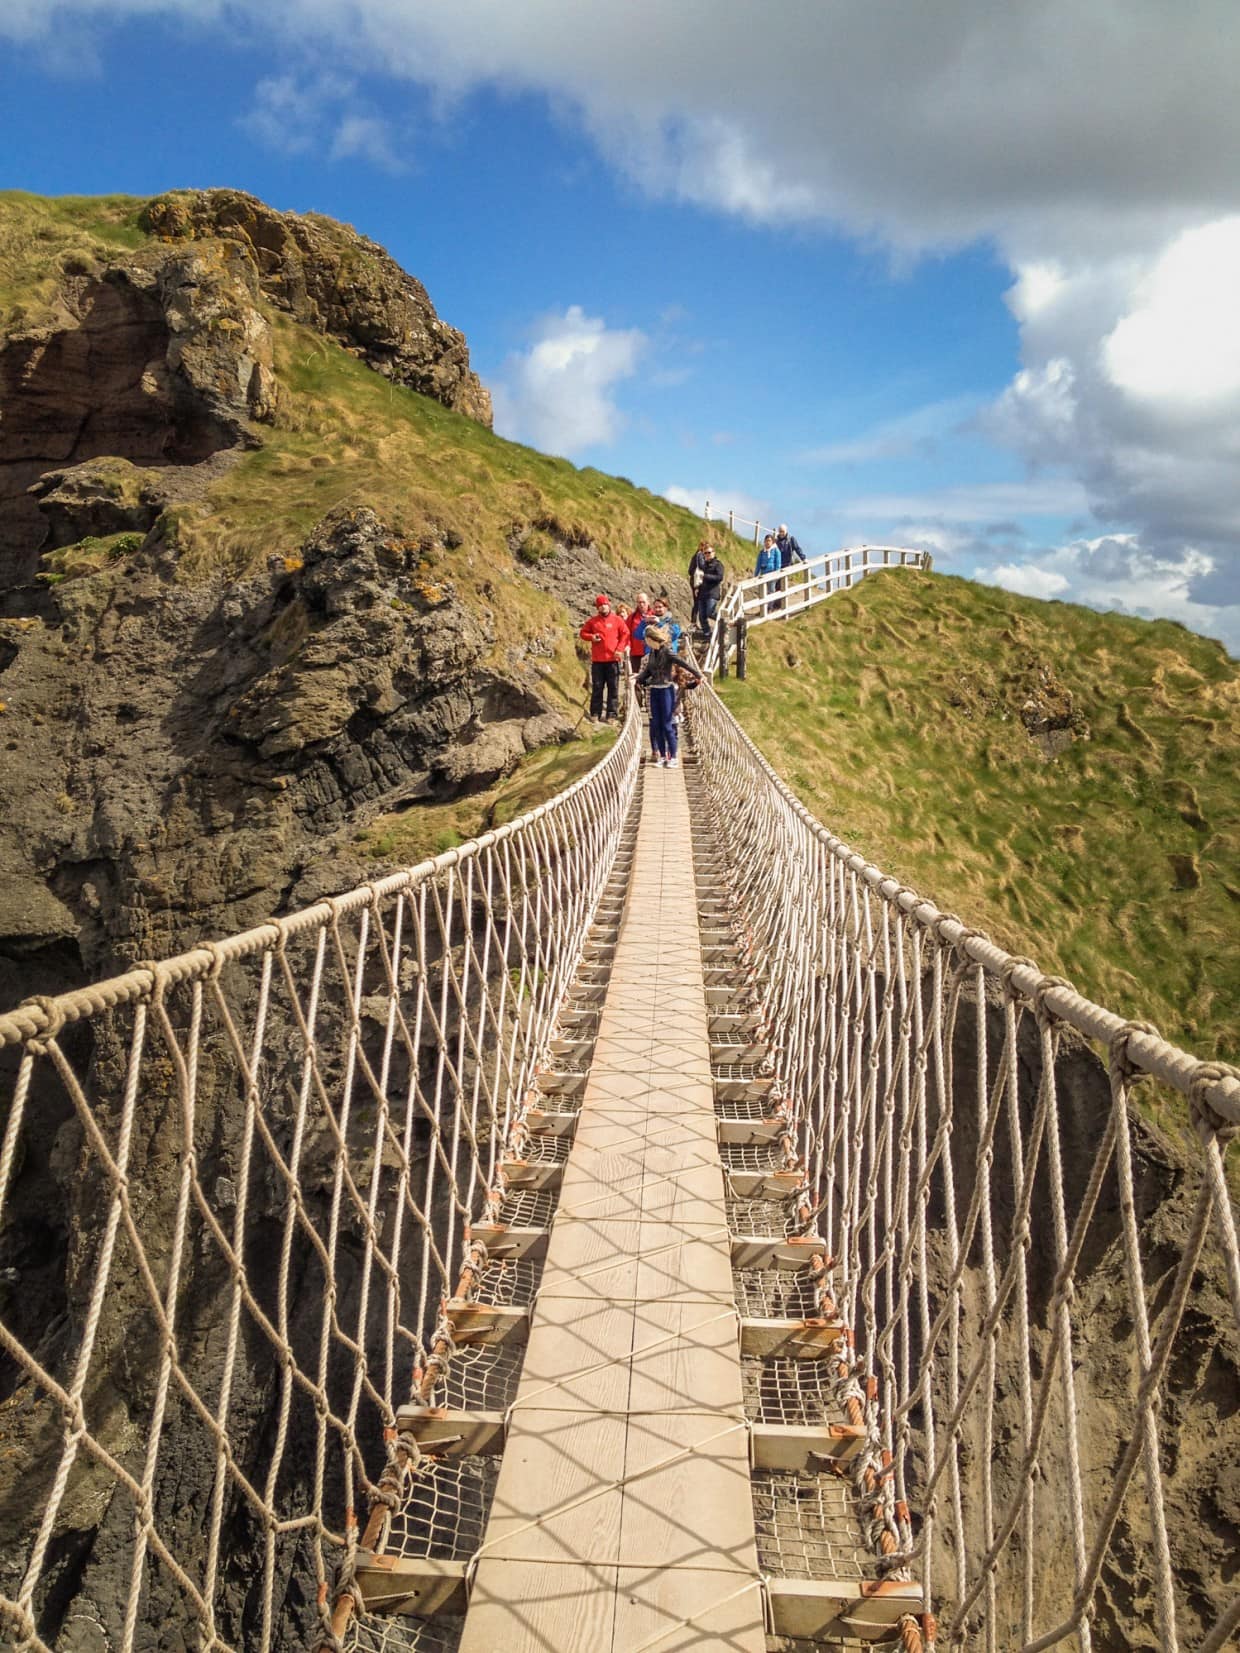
(917, 432)
(1028, 579)
(365, 138)
(1059, 127)
(296, 114)
(1116, 572)
(558, 395)
(983, 502)
(1132, 379)
(1180, 344)
(288, 111)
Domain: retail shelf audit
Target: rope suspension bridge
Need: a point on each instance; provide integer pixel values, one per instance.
(647, 1226)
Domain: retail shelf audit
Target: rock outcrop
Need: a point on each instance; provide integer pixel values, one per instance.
(338, 282)
(182, 759)
(163, 358)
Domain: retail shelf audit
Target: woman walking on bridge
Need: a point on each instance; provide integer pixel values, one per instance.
(658, 676)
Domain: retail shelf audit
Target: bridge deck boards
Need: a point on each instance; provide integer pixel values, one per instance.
(623, 1516)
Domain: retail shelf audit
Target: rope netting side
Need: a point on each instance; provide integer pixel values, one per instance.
(1011, 1251)
(236, 1189)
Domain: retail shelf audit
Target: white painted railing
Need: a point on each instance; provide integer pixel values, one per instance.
(790, 591)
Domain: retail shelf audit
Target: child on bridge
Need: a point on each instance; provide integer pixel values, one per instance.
(658, 677)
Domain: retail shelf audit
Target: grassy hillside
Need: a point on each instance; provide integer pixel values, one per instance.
(482, 511)
(896, 713)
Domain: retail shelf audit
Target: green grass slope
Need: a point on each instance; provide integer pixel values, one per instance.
(895, 711)
(481, 510)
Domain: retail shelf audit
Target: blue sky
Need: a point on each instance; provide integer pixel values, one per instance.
(961, 277)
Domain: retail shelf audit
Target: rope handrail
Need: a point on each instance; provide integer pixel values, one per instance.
(979, 1185)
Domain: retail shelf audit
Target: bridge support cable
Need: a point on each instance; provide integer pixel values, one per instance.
(978, 1186)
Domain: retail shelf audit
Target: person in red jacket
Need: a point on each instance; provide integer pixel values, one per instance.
(608, 637)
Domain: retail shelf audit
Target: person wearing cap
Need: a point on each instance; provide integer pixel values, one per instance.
(608, 637)
(658, 677)
(789, 552)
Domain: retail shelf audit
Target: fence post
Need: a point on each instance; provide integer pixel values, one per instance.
(706, 512)
(742, 644)
(721, 642)
(731, 522)
(756, 526)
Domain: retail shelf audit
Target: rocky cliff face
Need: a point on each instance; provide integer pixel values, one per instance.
(338, 282)
(184, 759)
(163, 358)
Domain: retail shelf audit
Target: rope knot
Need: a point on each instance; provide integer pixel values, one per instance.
(1014, 962)
(1208, 1074)
(1121, 1062)
(1047, 984)
(55, 1019)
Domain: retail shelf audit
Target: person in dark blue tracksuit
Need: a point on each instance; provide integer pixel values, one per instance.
(658, 679)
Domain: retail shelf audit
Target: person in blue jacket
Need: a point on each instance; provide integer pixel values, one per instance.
(768, 563)
(659, 616)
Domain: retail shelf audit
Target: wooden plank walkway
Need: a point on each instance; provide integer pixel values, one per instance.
(623, 1517)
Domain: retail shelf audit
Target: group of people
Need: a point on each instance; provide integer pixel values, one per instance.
(779, 551)
(647, 639)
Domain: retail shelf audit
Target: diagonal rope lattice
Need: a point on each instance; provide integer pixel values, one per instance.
(276, 1146)
(973, 1173)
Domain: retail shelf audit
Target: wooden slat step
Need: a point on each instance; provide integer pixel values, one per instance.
(791, 1339)
(450, 1434)
(744, 1090)
(504, 1242)
(763, 1185)
(796, 1446)
(749, 1130)
(585, 998)
(487, 1322)
(769, 1251)
(551, 1122)
(411, 1584)
(525, 1173)
(816, 1609)
(753, 1051)
(566, 1045)
(723, 994)
(573, 1015)
(733, 1021)
(551, 1083)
